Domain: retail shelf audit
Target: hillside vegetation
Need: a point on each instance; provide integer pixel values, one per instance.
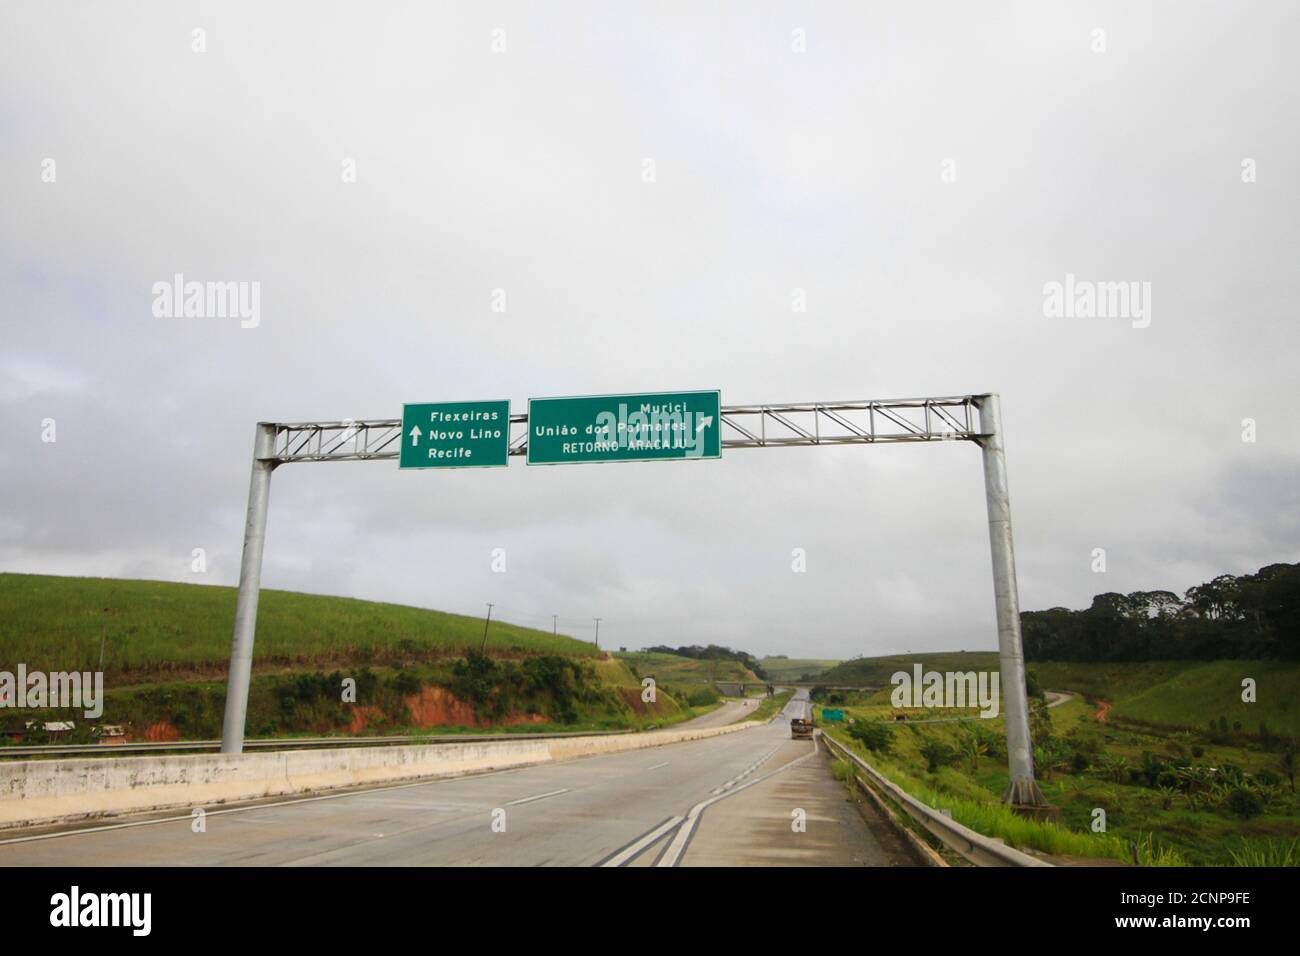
(1174, 695)
(167, 648)
(1206, 797)
(795, 668)
(711, 652)
(151, 628)
(673, 669)
(876, 671)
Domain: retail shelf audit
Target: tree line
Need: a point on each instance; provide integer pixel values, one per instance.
(1233, 616)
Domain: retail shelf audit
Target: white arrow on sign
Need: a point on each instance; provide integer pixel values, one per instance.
(415, 435)
(705, 422)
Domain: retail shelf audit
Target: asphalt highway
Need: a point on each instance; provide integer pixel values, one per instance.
(728, 800)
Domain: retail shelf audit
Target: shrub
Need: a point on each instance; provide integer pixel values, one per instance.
(1114, 767)
(702, 697)
(1151, 769)
(1268, 778)
(937, 754)
(1244, 803)
(874, 735)
(1232, 775)
(404, 682)
(474, 678)
(1050, 757)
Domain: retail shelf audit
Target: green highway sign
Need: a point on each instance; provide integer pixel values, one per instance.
(651, 426)
(455, 435)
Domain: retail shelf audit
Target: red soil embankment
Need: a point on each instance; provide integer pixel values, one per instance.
(163, 730)
(438, 707)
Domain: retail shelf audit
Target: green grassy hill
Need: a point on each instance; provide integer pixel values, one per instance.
(151, 628)
(1185, 695)
(1177, 695)
(794, 668)
(674, 669)
(876, 671)
(167, 648)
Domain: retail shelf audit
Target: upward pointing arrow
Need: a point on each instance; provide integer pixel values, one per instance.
(705, 422)
(415, 435)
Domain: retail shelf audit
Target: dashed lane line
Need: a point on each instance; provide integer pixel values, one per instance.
(674, 852)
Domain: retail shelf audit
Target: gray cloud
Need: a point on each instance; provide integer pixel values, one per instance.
(775, 171)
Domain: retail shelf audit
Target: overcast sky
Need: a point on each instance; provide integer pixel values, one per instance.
(920, 170)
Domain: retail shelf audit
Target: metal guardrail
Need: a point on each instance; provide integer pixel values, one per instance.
(19, 752)
(974, 847)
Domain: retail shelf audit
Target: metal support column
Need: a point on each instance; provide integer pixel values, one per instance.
(1022, 790)
(250, 577)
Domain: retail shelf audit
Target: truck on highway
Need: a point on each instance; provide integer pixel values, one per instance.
(801, 729)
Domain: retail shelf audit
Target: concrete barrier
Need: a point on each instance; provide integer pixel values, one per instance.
(39, 792)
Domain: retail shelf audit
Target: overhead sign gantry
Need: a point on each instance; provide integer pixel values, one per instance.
(642, 427)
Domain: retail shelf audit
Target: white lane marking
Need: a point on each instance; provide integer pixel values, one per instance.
(744, 773)
(538, 796)
(674, 851)
(626, 854)
(635, 848)
(657, 766)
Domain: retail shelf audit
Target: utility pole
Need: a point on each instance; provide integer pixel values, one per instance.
(553, 625)
(597, 633)
(486, 621)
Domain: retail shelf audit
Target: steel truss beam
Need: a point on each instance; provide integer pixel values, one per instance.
(974, 418)
(743, 426)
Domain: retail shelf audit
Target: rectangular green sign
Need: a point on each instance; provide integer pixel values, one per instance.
(455, 435)
(653, 426)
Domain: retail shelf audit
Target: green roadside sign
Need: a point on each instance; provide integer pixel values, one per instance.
(652, 426)
(455, 435)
